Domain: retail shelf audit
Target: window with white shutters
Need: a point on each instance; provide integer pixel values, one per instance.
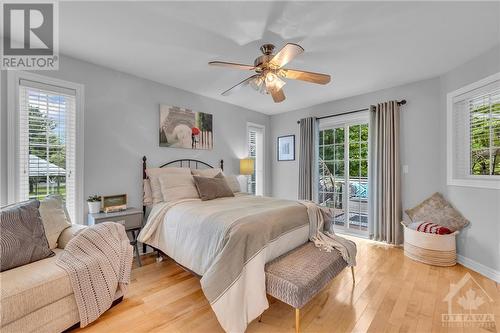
(255, 144)
(46, 143)
(474, 134)
(252, 152)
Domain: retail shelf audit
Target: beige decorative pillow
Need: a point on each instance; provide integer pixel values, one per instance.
(177, 186)
(234, 183)
(154, 175)
(211, 173)
(55, 218)
(212, 188)
(437, 210)
(147, 199)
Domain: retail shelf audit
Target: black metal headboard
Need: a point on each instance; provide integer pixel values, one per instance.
(183, 163)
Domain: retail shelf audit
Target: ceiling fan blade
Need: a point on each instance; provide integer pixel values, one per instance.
(239, 85)
(278, 95)
(231, 65)
(306, 76)
(286, 54)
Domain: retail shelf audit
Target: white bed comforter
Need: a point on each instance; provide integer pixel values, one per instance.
(228, 241)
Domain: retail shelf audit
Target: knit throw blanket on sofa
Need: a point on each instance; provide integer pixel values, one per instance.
(98, 261)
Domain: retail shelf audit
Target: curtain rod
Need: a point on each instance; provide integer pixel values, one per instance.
(401, 102)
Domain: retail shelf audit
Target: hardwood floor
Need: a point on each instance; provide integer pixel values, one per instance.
(392, 294)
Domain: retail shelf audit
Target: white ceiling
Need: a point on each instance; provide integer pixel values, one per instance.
(365, 46)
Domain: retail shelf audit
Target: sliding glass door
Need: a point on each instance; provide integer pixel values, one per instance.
(343, 173)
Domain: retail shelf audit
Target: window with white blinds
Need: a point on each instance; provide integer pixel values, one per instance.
(255, 137)
(252, 152)
(474, 134)
(47, 142)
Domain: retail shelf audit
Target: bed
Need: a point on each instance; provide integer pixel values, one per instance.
(227, 242)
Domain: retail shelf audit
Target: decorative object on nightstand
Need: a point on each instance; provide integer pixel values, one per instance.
(131, 218)
(94, 202)
(113, 203)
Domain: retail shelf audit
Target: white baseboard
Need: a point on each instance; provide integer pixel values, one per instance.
(480, 268)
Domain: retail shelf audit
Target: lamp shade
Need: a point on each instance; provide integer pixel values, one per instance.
(246, 166)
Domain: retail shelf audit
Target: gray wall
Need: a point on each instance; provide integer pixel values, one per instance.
(423, 149)
(121, 125)
(481, 240)
(419, 138)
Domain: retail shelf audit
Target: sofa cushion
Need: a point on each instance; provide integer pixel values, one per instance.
(55, 218)
(30, 287)
(22, 236)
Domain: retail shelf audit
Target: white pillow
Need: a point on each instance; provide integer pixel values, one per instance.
(155, 173)
(210, 173)
(233, 183)
(177, 186)
(147, 199)
(55, 218)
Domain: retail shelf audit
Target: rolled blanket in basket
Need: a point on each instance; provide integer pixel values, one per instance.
(429, 227)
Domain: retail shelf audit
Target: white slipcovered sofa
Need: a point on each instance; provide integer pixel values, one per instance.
(38, 297)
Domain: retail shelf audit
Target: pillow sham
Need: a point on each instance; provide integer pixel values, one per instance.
(55, 218)
(439, 211)
(22, 237)
(212, 188)
(177, 186)
(154, 175)
(211, 173)
(234, 183)
(147, 199)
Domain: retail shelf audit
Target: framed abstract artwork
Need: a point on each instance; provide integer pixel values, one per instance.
(184, 128)
(286, 148)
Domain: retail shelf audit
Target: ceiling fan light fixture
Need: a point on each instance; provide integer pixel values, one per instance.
(273, 82)
(270, 71)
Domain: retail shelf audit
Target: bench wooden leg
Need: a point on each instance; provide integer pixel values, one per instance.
(297, 320)
(353, 279)
(260, 318)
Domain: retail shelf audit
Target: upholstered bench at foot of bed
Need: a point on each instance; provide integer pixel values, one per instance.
(297, 276)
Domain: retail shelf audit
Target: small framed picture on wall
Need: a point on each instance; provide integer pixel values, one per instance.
(286, 148)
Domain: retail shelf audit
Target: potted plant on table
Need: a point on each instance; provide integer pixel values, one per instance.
(94, 202)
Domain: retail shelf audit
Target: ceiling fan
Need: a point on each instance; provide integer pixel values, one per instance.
(270, 71)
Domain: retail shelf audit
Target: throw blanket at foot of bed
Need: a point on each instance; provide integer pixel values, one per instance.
(229, 240)
(98, 261)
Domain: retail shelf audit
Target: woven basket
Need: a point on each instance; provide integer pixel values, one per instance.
(432, 249)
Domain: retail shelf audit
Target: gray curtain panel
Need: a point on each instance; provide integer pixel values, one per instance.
(385, 174)
(307, 158)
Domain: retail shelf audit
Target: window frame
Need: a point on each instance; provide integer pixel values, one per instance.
(251, 125)
(477, 181)
(13, 133)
